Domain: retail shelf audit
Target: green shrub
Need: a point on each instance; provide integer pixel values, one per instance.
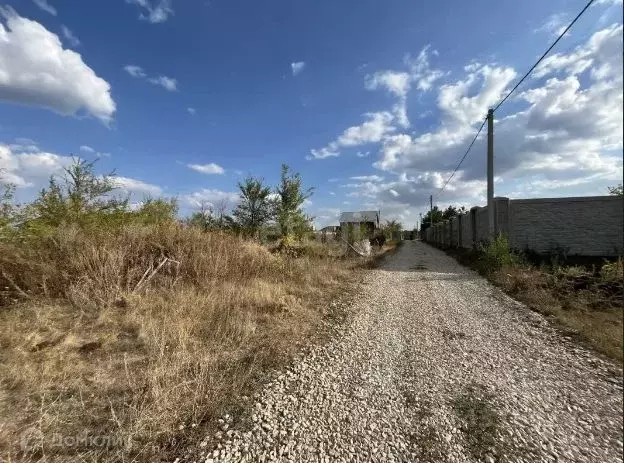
(496, 254)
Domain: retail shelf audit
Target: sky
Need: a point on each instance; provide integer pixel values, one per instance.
(373, 102)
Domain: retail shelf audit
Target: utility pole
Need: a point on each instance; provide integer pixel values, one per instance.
(430, 210)
(490, 172)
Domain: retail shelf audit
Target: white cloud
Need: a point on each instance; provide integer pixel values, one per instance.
(397, 83)
(36, 70)
(191, 110)
(563, 135)
(364, 154)
(31, 170)
(297, 67)
(596, 53)
(207, 196)
(45, 6)
(487, 84)
(135, 71)
(154, 11)
(372, 131)
(210, 168)
(368, 178)
(89, 150)
(134, 186)
(420, 69)
(382, 124)
(168, 83)
(69, 35)
(554, 25)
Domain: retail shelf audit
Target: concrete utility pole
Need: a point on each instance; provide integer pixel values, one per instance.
(490, 172)
(430, 210)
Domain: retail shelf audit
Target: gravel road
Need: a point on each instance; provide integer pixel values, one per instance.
(437, 365)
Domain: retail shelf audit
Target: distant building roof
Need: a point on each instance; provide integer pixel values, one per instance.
(330, 228)
(359, 216)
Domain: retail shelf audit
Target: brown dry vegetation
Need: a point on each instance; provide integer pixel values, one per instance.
(94, 368)
(585, 303)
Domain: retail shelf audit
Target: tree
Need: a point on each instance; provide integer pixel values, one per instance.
(433, 215)
(453, 211)
(255, 207)
(7, 207)
(80, 196)
(392, 229)
(157, 210)
(616, 190)
(212, 215)
(291, 196)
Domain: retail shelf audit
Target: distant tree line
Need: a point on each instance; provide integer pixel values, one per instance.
(83, 198)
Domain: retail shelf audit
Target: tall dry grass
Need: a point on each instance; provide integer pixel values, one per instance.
(104, 358)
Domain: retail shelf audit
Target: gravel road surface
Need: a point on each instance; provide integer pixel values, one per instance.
(437, 365)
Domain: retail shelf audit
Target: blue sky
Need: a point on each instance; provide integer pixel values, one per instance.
(373, 102)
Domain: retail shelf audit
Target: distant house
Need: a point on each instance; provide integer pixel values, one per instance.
(329, 232)
(330, 229)
(367, 222)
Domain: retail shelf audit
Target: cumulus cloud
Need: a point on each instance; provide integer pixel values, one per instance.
(153, 11)
(210, 197)
(138, 187)
(69, 36)
(420, 69)
(297, 67)
(45, 6)
(562, 134)
(31, 170)
(210, 168)
(372, 131)
(397, 83)
(596, 53)
(168, 83)
(383, 123)
(36, 70)
(191, 111)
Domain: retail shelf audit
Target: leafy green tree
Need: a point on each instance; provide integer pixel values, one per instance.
(159, 210)
(80, 197)
(7, 207)
(302, 226)
(616, 190)
(453, 211)
(291, 196)
(434, 216)
(255, 207)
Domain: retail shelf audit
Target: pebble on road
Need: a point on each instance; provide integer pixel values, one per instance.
(436, 365)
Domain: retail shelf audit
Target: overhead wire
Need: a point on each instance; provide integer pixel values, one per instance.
(563, 33)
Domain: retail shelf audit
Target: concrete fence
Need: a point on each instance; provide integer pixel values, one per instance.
(584, 226)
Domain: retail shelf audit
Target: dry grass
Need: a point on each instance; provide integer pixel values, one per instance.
(592, 311)
(584, 303)
(92, 369)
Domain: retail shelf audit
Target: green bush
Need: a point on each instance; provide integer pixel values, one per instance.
(496, 254)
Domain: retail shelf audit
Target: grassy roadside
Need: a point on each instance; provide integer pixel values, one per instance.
(127, 344)
(585, 302)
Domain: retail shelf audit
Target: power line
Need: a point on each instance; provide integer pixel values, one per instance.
(515, 87)
(465, 154)
(545, 53)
